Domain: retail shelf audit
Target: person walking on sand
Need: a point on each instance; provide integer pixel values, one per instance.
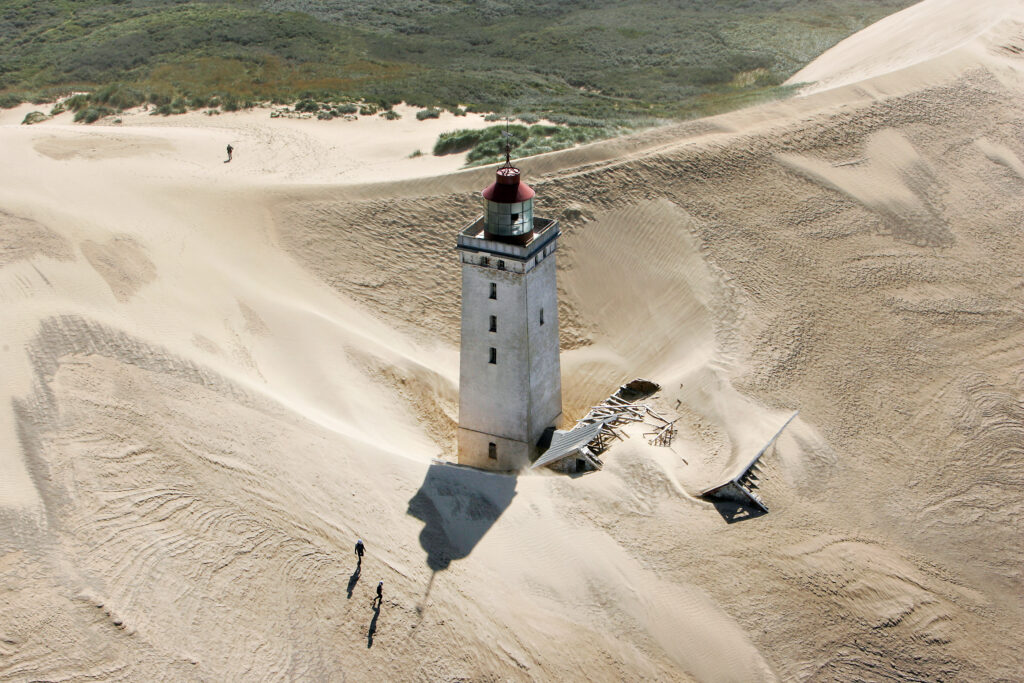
(230, 150)
(360, 549)
(379, 600)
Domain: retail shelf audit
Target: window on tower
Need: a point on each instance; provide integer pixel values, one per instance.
(494, 290)
(492, 451)
(494, 356)
(494, 323)
(542, 316)
(484, 261)
(501, 265)
(515, 217)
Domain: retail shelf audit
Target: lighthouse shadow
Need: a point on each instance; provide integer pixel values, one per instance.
(458, 505)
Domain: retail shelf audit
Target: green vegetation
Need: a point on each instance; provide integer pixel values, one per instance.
(165, 52)
(602, 60)
(487, 145)
(330, 110)
(91, 114)
(33, 117)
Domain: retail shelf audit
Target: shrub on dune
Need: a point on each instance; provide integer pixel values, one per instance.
(92, 114)
(457, 141)
(117, 96)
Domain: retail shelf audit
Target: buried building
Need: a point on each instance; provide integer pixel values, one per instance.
(510, 384)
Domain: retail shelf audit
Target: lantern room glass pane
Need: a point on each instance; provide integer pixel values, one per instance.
(509, 219)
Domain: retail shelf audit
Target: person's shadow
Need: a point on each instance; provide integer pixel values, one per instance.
(373, 624)
(354, 579)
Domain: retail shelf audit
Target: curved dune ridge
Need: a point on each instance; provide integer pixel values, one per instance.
(218, 376)
(940, 34)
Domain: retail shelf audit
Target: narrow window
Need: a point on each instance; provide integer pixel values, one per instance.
(494, 291)
(501, 265)
(485, 261)
(494, 323)
(492, 451)
(542, 316)
(494, 356)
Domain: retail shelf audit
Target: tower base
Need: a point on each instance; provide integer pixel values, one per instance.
(510, 455)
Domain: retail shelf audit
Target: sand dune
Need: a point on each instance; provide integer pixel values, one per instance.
(219, 375)
(950, 29)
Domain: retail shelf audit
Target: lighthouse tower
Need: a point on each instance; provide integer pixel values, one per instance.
(510, 382)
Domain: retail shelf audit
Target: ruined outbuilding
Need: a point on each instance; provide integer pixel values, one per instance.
(576, 450)
(742, 486)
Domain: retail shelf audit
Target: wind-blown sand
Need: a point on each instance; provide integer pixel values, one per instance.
(282, 150)
(219, 375)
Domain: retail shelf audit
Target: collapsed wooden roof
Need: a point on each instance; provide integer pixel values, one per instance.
(566, 443)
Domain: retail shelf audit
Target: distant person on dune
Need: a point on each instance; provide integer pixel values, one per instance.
(360, 549)
(377, 601)
(230, 150)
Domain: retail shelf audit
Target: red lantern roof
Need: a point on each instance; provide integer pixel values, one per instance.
(507, 187)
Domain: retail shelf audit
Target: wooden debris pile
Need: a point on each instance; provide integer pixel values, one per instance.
(576, 450)
(663, 435)
(616, 411)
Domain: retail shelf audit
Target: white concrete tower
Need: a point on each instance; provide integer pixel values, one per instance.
(510, 380)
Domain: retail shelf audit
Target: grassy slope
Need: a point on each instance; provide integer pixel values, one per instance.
(587, 57)
(178, 48)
